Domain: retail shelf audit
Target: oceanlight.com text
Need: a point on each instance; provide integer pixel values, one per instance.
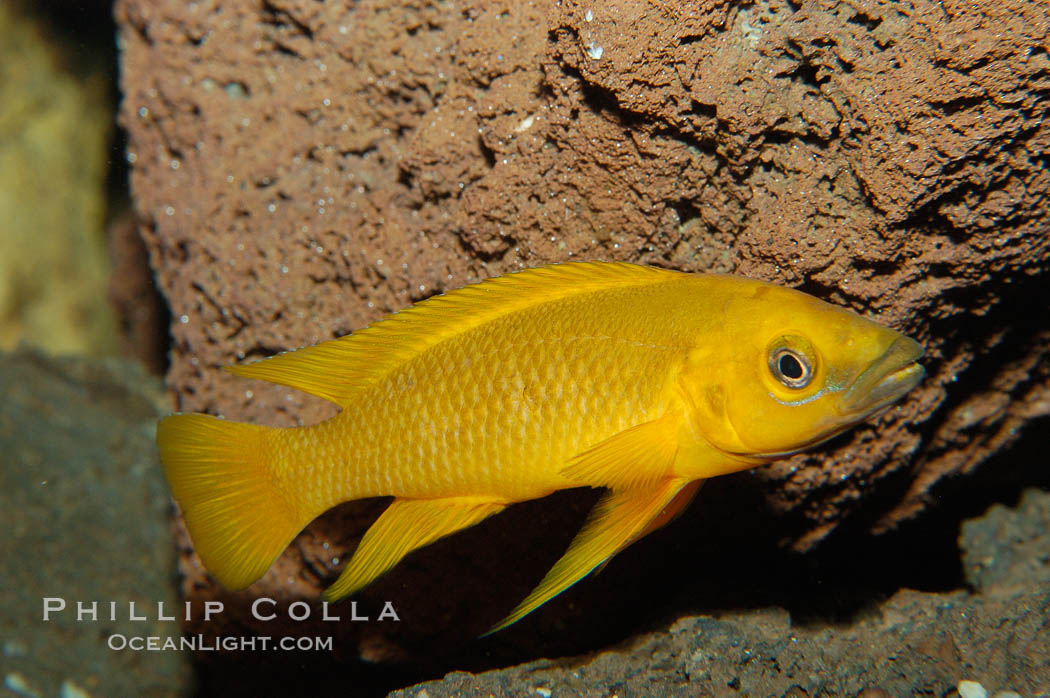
(229, 643)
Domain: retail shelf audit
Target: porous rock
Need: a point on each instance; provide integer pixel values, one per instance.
(301, 168)
(913, 643)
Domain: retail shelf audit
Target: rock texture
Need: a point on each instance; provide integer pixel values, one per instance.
(912, 644)
(86, 518)
(300, 168)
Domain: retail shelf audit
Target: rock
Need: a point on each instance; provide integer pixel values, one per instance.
(56, 116)
(86, 519)
(912, 644)
(300, 168)
(1008, 547)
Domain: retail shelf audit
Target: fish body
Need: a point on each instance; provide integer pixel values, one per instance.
(636, 379)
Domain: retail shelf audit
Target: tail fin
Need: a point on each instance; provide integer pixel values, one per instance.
(239, 519)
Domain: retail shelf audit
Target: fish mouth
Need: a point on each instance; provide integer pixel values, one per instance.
(878, 386)
(886, 380)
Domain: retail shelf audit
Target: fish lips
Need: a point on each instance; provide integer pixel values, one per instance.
(878, 386)
(886, 380)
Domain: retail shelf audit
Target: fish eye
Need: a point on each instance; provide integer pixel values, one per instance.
(790, 368)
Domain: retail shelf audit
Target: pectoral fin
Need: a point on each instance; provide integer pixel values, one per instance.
(617, 520)
(682, 499)
(636, 458)
(406, 524)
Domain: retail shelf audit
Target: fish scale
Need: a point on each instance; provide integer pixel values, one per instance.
(369, 437)
(638, 380)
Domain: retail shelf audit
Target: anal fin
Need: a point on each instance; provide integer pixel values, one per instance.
(407, 524)
(618, 519)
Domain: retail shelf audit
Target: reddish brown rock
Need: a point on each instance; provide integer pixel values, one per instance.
(301, 168)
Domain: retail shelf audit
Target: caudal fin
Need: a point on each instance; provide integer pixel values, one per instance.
(219, 473)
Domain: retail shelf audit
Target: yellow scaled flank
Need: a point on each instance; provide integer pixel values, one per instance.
(639, 380)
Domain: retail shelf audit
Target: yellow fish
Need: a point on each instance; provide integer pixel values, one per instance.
(636, 379)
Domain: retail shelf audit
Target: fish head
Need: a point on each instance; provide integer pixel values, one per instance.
(790, 371)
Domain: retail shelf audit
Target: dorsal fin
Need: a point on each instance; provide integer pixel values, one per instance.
(336, 369)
